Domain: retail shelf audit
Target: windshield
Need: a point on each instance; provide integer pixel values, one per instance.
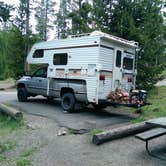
(128, 63)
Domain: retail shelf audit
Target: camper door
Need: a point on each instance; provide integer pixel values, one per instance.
(117, 69)
(128, 80)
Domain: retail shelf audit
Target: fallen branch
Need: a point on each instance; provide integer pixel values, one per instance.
(11, 111)
(120, 132)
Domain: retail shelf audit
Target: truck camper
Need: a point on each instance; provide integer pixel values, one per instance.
(81, 69)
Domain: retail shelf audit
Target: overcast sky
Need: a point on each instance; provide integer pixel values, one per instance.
(12, 2)
(15, 3)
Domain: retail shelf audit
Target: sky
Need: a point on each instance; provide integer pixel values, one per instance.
(12, 2)
(15, 3)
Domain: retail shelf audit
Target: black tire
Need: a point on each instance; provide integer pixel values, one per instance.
(68, 102)
(22, 94)
(50, 98)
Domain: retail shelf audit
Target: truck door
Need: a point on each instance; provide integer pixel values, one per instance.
(38, 82)
(117, 69)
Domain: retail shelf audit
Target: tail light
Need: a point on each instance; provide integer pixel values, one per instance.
(102, 77)
(129, 79)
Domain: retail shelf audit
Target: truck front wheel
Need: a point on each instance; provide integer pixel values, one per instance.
(68, 102)
(22, 95)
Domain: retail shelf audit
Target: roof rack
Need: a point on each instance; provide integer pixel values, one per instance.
(79, 35)
(108, 36)
(115, 38)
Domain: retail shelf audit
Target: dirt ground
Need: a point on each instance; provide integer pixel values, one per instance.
(7, 84)
(77, 150)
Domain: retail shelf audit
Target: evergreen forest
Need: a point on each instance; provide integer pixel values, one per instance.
(37, 20)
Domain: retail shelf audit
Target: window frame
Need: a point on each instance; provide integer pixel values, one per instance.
(38, 56)
(65, 60)
(131, 66)
(43, 74)
(118, 62)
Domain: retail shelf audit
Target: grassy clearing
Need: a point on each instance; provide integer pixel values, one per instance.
(8, 145)
(157, 98)
(8, 124)
(163, 74)
(2, 158)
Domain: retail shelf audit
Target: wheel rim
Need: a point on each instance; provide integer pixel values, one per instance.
(67, 102)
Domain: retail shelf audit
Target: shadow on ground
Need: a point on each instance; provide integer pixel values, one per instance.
(87, 118)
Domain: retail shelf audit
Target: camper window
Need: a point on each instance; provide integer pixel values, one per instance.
(38, 53)
(60, 59)
(118, 58)
(128, 63)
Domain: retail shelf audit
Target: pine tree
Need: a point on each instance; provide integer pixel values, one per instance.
(151, 43)
(5, 13)
(141, 20)
(62, 21)
(4, 38)
(81, 17)
(45, 13)
(16, 55)
(100, 15)
(22, 15)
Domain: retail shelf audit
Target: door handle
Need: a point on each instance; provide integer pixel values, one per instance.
(40, 80)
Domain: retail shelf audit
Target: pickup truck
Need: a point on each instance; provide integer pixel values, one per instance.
(70, 91)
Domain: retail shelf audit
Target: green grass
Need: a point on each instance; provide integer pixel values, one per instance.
(95, 131)
(2, 158)
(8, 124)
(157, 98)
(8, 145)
(23, 159)
(163, 74)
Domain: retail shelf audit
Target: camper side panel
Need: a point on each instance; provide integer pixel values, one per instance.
(105, 74)
(81, 65)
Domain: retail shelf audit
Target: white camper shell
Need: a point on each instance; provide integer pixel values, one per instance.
(104, 62)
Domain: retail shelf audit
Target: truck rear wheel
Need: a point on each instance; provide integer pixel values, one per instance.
(68, 102)
(22, 95)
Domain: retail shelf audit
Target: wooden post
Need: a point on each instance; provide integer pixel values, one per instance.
(11, 111)
(120, 132)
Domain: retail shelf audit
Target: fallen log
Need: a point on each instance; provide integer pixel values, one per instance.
(120, 132)
(16, 114)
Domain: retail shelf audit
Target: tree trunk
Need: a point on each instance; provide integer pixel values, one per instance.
(27, 34)
(11, 111)
(120, 132)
